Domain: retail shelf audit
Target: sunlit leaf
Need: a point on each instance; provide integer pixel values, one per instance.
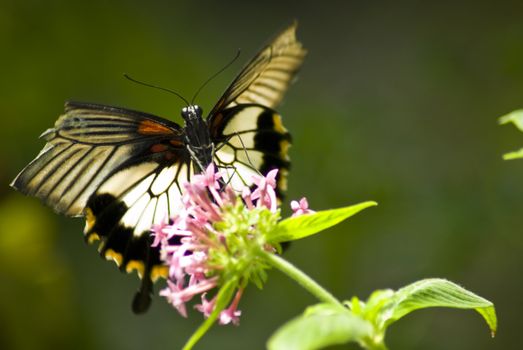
(439, 293)
(515, 117)
(513, 155)
(301, 226)
(320, 326)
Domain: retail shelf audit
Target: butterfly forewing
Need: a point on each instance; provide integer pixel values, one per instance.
(87, 144)
(265, 79)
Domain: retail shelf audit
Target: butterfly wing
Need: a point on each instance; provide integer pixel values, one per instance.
(248, 134)
(265, 79)
(251, 139)
(120, 169)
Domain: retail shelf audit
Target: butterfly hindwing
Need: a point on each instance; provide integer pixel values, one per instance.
(122, 211)
(251, 139)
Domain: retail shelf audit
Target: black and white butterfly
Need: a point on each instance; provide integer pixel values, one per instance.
(122, 170)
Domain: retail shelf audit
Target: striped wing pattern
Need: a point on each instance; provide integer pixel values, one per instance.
(87, 144)
(265, 79)
(120, 169)
(251, 139)
(249, 136)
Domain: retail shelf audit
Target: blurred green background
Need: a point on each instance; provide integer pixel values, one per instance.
(397, 102)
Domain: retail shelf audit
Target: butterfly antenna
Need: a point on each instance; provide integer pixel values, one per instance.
(156, 87)
(215, 75)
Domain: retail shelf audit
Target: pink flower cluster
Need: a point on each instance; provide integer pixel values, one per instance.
(187, 240)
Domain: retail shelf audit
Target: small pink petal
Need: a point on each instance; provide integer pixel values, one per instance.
(301, 207)
(175, 296)
(232, 314)
(206, 307)
(271, 177)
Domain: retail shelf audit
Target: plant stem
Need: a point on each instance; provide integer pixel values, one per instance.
(222, 299)
(300, 277)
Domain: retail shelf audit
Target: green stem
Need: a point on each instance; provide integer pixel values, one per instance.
(222, 299)
(300, 277)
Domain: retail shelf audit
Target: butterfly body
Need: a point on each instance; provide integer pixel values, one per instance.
(197, 137)
(123, 170)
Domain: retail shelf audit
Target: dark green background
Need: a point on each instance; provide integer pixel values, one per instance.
(397, 102)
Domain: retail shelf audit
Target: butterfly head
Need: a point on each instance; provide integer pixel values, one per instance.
(191, 113)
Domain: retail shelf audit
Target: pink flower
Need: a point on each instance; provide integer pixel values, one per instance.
(206, 307)
(201, 251)
(175, 296)
(209, 179)
(265, 193)
(301, 207)
(159, 233)
(232, 314)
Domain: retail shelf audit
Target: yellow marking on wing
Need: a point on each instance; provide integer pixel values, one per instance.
(282, 181)
(93, 237)
(112, 255)
(278, 125)
(159, 271)
(284, 149)
(90, 219)
(135, 265)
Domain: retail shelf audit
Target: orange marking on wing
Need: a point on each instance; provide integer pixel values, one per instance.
(158, 148)
(149, 127)
(170, 155)
(176, 143)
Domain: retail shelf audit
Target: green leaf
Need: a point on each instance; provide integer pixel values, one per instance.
(515, 117)
(436, 292)
(320, 326)
(301, 226)
(513, 155)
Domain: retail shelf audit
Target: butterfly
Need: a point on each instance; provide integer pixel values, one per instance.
(123, 170)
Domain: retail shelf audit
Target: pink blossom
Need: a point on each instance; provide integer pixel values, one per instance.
(175, 296)
(265, 193)
(191, 270)
(209, 179)
(206, 307)
(246, 195)
(301, 207)
(160, 233)
(232, 314)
